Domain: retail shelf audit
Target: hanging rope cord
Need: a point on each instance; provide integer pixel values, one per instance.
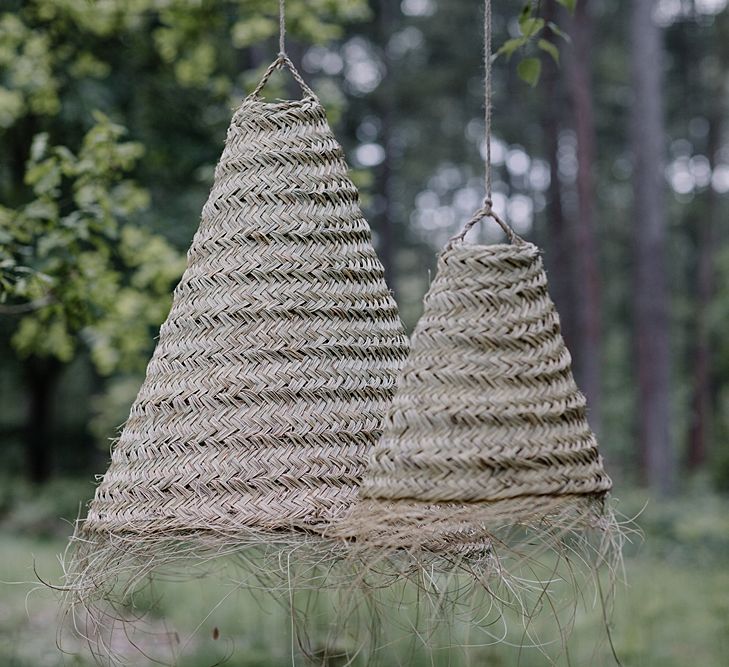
(282, 60)
(486, 210)
(281, 28)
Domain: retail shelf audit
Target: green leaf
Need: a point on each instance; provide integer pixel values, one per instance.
(507, 48)
(559, 32)
(529, 70)
(44, 177)
(530, 26)
(549, 48)
(38, 147)
(569, 4)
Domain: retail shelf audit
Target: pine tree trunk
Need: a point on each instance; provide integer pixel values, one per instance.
(701, 401)
(588, 287)
(560, 256)
(700, 420)
(650, 290)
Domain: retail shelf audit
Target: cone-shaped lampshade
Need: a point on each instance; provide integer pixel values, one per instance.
(486, 490)
(278, 360)
(487, 408)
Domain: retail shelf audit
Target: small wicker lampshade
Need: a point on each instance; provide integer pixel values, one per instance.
(486, 492)
(272, 373)
(488, 428)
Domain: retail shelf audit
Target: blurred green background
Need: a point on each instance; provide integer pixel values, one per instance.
(610, 151)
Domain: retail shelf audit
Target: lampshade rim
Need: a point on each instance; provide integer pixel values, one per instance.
(256, 100)
(527, 249)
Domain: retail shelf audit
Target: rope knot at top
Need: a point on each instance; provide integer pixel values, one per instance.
(486, 211)
(282, 60)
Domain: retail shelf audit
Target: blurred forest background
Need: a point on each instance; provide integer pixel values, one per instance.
(615, 161)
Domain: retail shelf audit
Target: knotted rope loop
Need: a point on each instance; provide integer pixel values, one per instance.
(282, 60)
(486, 211)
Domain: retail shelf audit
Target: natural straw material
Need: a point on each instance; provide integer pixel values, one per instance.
(279, 357)
(267, 389)
(486, 491)
(487, 409)
(269, 383)
(268, 386)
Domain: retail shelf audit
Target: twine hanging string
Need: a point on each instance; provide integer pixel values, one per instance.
(281, 27)
(487, 103)
(282, 60)
(487, 210)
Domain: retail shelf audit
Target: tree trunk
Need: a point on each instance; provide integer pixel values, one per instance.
(650, 290)
(384, 220)
(700, 419)
(560, 255)
(588, 288)
(41, 377)
(701, 401)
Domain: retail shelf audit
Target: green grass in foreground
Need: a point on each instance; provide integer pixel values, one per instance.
(674, 611)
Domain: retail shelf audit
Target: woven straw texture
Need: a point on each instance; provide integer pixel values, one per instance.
(487, 408)
(279, 358)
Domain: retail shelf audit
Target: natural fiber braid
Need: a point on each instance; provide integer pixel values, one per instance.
(282, 60)
(487, 407)
(279, 358)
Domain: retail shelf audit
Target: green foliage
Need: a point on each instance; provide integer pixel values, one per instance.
(73, 260)
(571, 5)
(44, 512)
(531, 31)
(88, 257)
(27, 81)
(549, 48)
(187, 36)
(529, 70)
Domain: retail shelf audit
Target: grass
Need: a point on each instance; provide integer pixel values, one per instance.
(674, 611)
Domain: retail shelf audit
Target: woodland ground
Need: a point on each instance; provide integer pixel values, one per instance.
(674, 611)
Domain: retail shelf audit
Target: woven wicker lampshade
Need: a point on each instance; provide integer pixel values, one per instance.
(488, 428)
(273, 372)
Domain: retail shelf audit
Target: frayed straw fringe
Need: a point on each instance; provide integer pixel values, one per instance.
(494, 566)
(108, 577)
(466, 528)
(423, 571)
(472, 555)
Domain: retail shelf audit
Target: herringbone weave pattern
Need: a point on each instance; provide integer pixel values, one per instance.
(278, 360)
(487, 408)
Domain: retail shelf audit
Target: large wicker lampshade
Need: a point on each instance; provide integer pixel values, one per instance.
(272, 374)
